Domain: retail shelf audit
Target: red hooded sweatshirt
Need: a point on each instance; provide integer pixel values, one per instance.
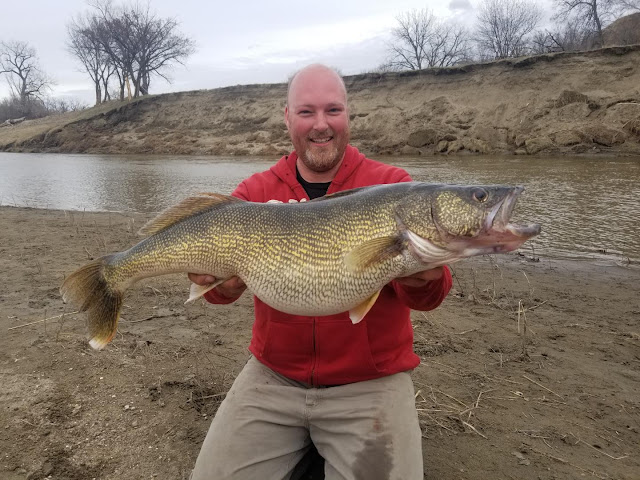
(330, 350)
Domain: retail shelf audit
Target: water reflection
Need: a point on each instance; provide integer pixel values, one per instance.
(588, 207)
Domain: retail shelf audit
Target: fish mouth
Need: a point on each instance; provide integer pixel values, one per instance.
(499, 233)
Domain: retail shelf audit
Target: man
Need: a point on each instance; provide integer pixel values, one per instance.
(344, 387)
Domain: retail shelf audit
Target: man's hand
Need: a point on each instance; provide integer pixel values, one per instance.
(231, 288)
(420, 279)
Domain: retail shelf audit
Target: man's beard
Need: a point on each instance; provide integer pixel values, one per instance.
(320, 159)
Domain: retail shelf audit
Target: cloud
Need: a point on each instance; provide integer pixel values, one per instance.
(460, 5)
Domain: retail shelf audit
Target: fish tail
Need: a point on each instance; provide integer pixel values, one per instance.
(88, 288)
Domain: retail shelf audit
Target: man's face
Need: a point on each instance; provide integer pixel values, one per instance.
(317, 118)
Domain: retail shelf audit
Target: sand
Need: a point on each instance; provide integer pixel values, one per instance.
(557, 400)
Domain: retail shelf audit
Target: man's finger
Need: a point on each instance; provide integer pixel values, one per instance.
(201, 279)
(233, 283)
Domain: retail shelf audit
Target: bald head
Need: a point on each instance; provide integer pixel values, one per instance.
(317, 118)
(315, 73)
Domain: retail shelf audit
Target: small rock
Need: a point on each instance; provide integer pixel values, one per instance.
(567, 138)
(538, 144)
(518, 455)
(520, 140)
(421, 138)
(47, 469)
(409, 150)
(455, 146)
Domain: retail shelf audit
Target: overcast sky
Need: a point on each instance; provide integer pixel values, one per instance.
(237, 42)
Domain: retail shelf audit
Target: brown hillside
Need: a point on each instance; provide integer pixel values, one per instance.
(624, 31)
(563, 103)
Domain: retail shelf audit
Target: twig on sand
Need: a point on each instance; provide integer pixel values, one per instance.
(156, 291)
(450, 411)
(210, 396)
(466, 331)
(146, 319)
(600, 450)
(525, 354)
(542, 386)
(535, 306)
(452, 398)
(630, 416)
(467, 424)
(42, 320)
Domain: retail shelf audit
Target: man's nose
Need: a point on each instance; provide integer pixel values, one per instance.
(320, 123)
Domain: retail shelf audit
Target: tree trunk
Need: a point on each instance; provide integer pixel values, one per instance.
(596, 19)
(98, 93)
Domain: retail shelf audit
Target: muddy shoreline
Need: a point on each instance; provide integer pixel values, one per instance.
(560, 401)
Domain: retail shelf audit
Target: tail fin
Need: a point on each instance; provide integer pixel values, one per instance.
(88, 288)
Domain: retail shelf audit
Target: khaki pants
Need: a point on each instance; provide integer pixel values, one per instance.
(365, 431)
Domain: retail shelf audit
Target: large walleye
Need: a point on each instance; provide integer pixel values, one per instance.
(330, 255)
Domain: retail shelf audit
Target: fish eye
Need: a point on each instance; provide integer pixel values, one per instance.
(480, 195)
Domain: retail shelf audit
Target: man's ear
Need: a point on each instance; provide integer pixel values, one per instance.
(286, 115)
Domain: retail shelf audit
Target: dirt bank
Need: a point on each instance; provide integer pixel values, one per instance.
(565, 103)
(561, 402)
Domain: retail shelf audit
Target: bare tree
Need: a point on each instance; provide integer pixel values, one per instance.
(18, 61)
(568, 36)
(63, 105)
(110, 29)
(140, 44)
(593, 14)
(449, 46)
(541, 42)
(162, 47)
(421, 40)
(504, 26)
(84, 43)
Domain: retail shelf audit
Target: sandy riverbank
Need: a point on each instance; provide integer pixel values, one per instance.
(562, 402)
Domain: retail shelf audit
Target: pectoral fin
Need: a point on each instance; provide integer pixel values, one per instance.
(373, 252)
(196, 291)
(356, 314)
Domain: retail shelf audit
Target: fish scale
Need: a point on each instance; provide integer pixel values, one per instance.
(321, 257)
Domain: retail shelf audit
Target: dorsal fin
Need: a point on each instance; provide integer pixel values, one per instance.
(343, 193)
(186, 208)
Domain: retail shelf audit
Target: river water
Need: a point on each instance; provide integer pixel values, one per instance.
(589, 208)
